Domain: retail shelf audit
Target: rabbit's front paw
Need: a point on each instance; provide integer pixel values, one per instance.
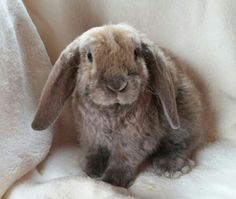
(97, 163)
(118, 177)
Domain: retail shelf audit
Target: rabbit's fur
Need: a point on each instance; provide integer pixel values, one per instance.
(130, 100)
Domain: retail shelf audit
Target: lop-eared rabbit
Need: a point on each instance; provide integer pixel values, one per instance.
(130, 100)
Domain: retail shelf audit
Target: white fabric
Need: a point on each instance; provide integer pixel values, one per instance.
(24, 66)
(202, 35)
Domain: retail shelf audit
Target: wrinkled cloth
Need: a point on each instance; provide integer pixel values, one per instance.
(24, 66)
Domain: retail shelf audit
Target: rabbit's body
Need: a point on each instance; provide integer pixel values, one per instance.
(130, 101)
(126, 134)
(119, 138)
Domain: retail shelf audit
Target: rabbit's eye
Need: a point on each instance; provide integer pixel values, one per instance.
(90, 57)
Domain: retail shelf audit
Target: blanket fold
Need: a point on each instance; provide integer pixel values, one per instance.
(24, 66)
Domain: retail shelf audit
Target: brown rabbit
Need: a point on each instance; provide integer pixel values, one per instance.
(130, 101)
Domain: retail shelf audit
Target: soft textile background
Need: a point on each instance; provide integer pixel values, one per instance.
(202, 35)
(24, 66)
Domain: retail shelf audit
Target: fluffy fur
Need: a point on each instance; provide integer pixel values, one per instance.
(130, 100)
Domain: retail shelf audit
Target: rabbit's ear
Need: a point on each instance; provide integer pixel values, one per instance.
(162, 80)
(58, 88)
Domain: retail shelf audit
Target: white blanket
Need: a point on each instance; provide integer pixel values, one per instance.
(24, 66)
(201, 34)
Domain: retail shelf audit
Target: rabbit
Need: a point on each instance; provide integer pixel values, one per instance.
(130, 100)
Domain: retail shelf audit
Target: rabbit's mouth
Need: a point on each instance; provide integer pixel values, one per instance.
(104, 96)
(125, 93)
(104, 99)
(112, 102)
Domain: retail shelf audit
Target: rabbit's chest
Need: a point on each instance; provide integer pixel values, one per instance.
(105, 128)
(96, 128)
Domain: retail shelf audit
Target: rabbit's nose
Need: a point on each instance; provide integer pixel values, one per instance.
(117, 83)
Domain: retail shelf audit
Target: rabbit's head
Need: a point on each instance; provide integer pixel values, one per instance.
(112, 70)
(108, 65)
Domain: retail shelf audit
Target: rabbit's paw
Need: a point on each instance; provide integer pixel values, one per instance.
(172, 167)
